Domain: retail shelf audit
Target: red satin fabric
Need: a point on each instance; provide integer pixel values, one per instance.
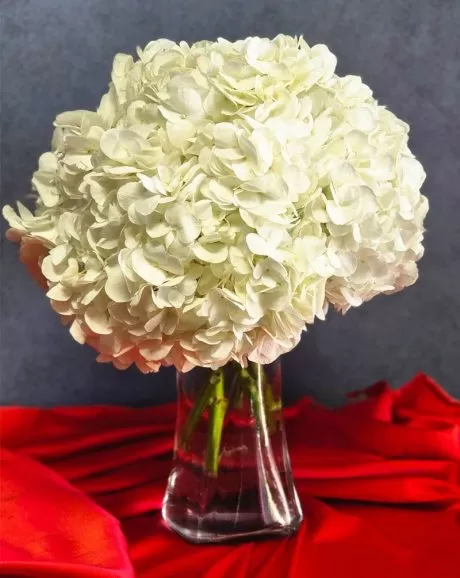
(379, 480)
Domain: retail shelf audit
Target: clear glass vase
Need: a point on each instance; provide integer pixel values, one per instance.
(231, 478)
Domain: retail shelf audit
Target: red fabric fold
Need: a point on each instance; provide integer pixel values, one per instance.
(49, 528)
(379, 480)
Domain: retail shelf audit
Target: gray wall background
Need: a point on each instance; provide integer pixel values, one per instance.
(57, 55)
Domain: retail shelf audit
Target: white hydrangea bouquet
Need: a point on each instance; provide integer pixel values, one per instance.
(219, 199)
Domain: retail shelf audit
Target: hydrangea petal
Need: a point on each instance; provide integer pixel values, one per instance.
(146, 270)
(116, 287)
(211, 252)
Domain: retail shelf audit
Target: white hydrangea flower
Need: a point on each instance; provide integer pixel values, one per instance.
(222, 195)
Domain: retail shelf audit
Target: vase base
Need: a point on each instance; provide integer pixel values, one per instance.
(200, 530)
(204, 509)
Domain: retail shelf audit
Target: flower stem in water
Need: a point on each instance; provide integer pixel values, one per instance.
(201, 403)
(217, 411)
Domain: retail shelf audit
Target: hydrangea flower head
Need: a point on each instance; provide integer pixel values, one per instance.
(221, 196)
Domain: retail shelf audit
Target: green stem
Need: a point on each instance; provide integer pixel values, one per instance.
(212, 397)
(253, 394)
(196, 412)
(269, 402)
(273, 407)
(270, 483)
(238, 391)
(217, 411)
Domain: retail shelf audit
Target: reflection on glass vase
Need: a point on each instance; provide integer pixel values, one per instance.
(231, 477)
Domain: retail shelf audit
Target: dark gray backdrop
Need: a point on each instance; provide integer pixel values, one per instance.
(57, 55)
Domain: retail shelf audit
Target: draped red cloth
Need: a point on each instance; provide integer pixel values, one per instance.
(379, 479)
